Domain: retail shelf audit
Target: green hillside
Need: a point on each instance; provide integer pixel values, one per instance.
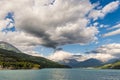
(115, 65)
(13, 60)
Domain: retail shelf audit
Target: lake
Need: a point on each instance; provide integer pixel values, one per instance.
(60, 74)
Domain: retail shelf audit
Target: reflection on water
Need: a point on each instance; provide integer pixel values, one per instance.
(60, 74)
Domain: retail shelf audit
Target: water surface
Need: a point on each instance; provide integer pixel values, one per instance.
(60, 74)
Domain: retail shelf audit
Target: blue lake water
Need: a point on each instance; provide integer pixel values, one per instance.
(60, 74)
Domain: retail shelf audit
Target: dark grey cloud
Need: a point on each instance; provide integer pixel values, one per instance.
(59, 23)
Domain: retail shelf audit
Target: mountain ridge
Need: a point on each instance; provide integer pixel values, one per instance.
(8, 46)
(12, 58)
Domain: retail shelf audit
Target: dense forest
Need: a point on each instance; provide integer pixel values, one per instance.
(13, 60)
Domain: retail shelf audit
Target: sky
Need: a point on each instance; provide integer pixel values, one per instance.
(77, 27)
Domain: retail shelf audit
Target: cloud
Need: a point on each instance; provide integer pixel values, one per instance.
(103, 53)
(106, 52)
(62, 55)
(3, 23)
(113, 49)
(23, 41)
(109, 8)
(61, 23)
(115, 32)
(51, 23)
(100, 56)
(59, 56)
(114, 27)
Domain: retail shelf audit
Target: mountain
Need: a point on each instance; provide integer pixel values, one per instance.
(65, 58)
(9, 47)
(112, 61)
(115, 65)
(74, 61)
(89, 63)
(69, 62)
(12, 58)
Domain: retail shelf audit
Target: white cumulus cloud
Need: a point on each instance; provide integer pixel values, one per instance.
(103, 53)
(109, 8)
(59, 56)
(106, 52)
(51, 23)
(59, 23)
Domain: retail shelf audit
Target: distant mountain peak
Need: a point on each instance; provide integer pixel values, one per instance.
(92, 62)
(8, 46)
